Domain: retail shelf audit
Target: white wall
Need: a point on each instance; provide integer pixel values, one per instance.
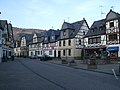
(103, 41)
(17, 51)
(115, 24)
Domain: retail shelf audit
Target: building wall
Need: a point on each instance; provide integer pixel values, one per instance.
(17, 51)
(115, 23)
(113, 30)
(66, 48)
(103, 41)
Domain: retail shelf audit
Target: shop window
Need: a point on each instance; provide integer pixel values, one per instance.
(50, 52)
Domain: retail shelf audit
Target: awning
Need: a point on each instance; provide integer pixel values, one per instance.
(113, 48)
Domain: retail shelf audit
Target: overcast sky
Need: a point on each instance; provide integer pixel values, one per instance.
(45, 14)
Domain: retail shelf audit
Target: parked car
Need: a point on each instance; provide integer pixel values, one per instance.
(45, 58)
(33, 57)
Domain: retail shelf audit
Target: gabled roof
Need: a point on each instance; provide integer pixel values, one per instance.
(95, 28)
(112, 15)
(28, 38)
(39, 34)
(77, 25)
(67, 25)
(73, 28)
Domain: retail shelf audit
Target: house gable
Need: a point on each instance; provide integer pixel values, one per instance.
(79, 38)
(112, 15)
(35, 38)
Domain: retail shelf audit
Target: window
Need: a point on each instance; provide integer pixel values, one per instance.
(59, 43)
(83, 32)
(101, 28)
(63, 52)
(64, 43)
(35, 53)
(52, 37)
(69, 52)
(79, 42)
(111, 24)
(69, 42)
(45, 38)
(38, 52)
(113, 37)
(50, 52)
(64, 33)
(90, 41)
(41, 52)
(94, 40)
(98, 40)
(31, 53)
(34, 40)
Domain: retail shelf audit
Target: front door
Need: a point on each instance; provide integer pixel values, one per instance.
(54, 53)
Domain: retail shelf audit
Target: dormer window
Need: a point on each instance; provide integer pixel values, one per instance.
(101, 28)
(64, 33)
(93, 30)
(45, 38)
(52, 37)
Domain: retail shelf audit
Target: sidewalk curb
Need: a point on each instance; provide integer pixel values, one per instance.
(74, 67)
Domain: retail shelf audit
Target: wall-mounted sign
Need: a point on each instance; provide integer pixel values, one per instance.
(7, 43)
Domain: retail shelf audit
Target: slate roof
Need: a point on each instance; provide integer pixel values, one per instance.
(117, 15)
(95, 28)
(57, 34)
(72, 27)
(28, 38)
(67, 25)
(49, 34)
(77, 26)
